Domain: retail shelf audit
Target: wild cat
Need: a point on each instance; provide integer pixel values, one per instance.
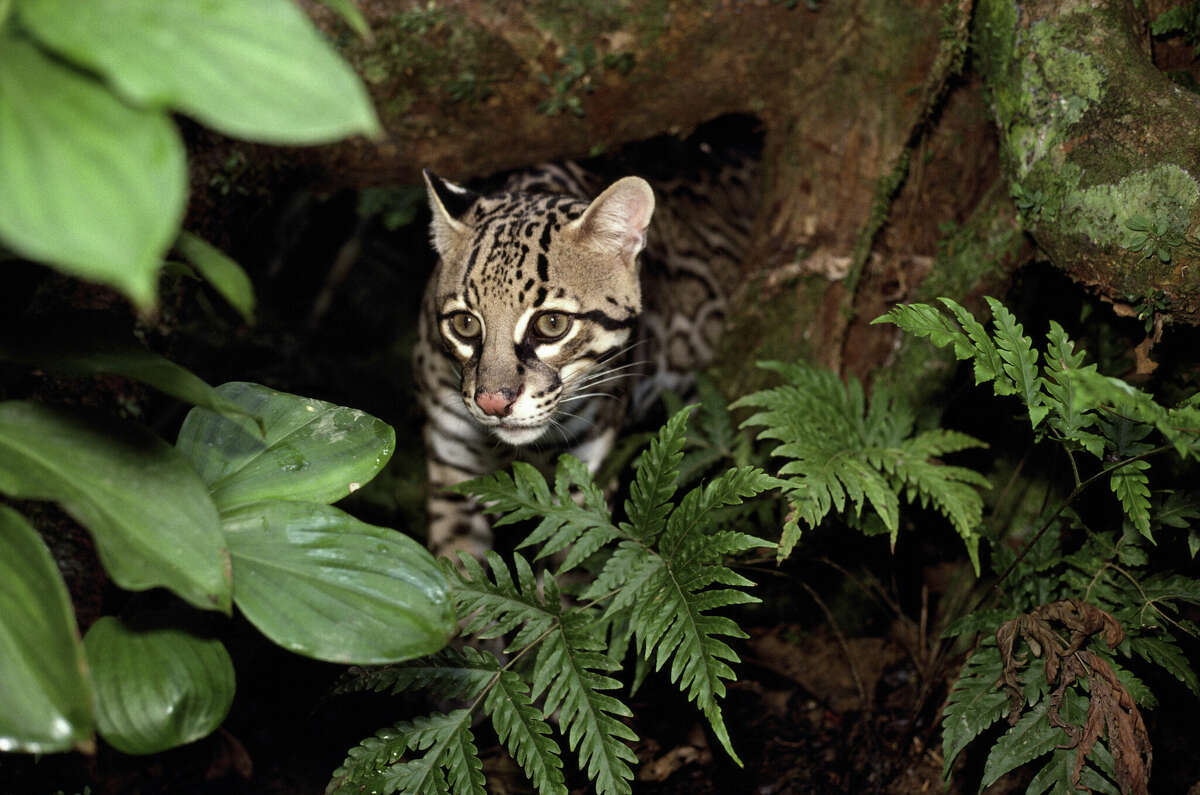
(551, 318)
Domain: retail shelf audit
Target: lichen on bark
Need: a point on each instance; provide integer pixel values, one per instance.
(1097, 143)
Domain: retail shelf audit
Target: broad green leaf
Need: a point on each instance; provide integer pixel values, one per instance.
(312, 450)
(321, 583)
(150, 515)
(253, 69)
(45, 698)
(157, 686)
(91, 185)
(74, 355)
(225, 275)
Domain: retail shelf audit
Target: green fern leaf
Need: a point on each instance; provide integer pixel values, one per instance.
(375, 766)
(974, 704)
(988, 364)
(561, 522)
(449, 674)
(694, 514)
(569, 670)
(1163, 651)
(1071, 414)
(1132, 487)
(981, 622)
(499, 605)
(525, 733)
(1181, 427)
(656, 479)
(924, 320)
(1031, 737)
(1020, 360)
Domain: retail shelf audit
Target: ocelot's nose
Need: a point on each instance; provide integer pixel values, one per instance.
(499, 403)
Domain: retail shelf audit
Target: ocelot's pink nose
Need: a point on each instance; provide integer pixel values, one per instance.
(497, 404)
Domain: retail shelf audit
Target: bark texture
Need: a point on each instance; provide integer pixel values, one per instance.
(881, 179)
(1102, 149)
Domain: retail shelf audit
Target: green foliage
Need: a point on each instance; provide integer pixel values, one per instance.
(157, 687)
(1183, 20)
(1079, 708)
(234, 513)
(843, 451)
(96, 143)
(660, 578)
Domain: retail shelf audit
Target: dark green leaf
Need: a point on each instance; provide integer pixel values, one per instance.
(312, 451)
(157, 687)
(73, 355)
(151, 516)
(321, 583)
(45, 697)
(252, 69)
(1031, 737)
(91, 185)
(225, 275)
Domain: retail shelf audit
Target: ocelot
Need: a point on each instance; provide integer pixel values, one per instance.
(541, 333)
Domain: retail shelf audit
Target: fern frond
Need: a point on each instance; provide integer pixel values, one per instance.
(1071, 414)
(570, 670)
(974, 704)
(448, 674)
(561, 522)
(1163, 651)
(923, 320)
(525, 733)
(988, 364)
(839, 458)
(656, 479)
(374, 765)
(1031, 737)
(497, 606)
(1132, 487)
(1020, 360)
(694, 514)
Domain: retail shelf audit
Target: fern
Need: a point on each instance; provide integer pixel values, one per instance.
(1088, 580)
(975, 703)
(660, 586)
(842, 453)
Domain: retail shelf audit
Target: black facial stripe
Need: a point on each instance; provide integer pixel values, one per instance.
(543, 267)
(606, 321)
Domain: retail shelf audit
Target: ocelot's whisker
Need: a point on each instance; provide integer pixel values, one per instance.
(582, 395)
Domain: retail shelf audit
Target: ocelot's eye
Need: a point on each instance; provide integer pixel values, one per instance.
(464, 325)
(551, 325)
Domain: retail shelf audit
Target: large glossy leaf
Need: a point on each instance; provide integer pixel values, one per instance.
(91, 185)
(45, 698)
(313, 450)
(321, 583)
(250, 68)
(71, 354)
(150, 514)
(156, 686)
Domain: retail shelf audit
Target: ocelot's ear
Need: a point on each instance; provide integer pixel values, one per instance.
(616, 220)
(449, 204)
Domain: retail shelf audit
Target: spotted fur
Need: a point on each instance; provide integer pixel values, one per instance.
(514, 268)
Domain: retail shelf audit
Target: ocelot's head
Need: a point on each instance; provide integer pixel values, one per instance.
(533, 293)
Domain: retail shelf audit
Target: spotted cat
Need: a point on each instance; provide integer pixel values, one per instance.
(552, 319)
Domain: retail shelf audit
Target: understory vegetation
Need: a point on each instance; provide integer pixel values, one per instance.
(657, 587)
